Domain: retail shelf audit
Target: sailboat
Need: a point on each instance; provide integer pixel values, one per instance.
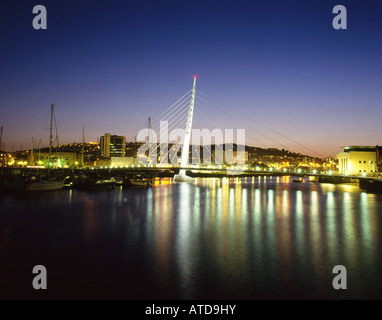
(49, 184)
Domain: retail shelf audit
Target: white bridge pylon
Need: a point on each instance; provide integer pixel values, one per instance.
(182, 177)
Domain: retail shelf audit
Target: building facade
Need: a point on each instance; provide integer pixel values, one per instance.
(112, 146)
(117, 162)
(359, 160)
(57, 159)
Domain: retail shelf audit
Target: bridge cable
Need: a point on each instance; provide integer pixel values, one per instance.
(285, 137)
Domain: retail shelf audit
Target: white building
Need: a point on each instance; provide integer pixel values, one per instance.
(358, 160)
(117, 162)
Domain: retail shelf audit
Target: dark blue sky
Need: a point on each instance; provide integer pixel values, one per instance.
(109, 65)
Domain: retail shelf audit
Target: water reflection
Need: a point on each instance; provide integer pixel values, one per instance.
(262, 232)
(255, 237)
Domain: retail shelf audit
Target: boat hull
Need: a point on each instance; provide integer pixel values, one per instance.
(45, 186)
(138, 183)
(97, 185)
(102, 186)
(372, 185)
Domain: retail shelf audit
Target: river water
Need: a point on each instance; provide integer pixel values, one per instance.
(239, 238)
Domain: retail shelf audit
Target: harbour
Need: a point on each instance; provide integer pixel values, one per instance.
(191, 151)
(11, 179)
(238, 238)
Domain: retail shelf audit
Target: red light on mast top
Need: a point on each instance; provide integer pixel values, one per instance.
(194, 77)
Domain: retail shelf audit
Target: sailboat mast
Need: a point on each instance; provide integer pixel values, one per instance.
(83, 143)
(32, 154)
(1, 138)
(51, 135)
(39, 143)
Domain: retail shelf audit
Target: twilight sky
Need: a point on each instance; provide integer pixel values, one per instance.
(109, 65)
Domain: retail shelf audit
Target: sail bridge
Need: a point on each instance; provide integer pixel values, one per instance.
(174, 127)
(182, 177)
(161, 152)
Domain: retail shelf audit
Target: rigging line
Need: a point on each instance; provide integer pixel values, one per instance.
(168, 119)
(230, 116)
(180, 114)
(187, 93)
(162, 158)
(180, 111)
(199, 156)
(46, 126)
(181, 117)
(210, 151)
(161, 161)
(55, 126)
(280, 134)
(181, 104)
(197, 150)
(248, 125)
(177, 145)
(210, 146)
(159, 145)
(175, 102)
(198, 110)
(178, 124)
(57, 141)
(167, 153)
(253, 128)
(175, 154)
(254, 139)
(203, 99)
(168, 131)
(170, 115)
(173, 125)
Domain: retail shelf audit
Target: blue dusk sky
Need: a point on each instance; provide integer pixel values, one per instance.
(109, 65)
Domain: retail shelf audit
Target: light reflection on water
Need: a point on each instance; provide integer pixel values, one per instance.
(275, 236)
(259, 237)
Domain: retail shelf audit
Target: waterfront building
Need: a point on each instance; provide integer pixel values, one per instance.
(57, 160)
(117, 162)
(359, 160)
(112, 146)
(3, 158)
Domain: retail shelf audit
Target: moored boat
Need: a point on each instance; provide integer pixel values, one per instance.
(139, 182)
(371, 184)
(105, 184)
(45, 185)
(96, 184)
